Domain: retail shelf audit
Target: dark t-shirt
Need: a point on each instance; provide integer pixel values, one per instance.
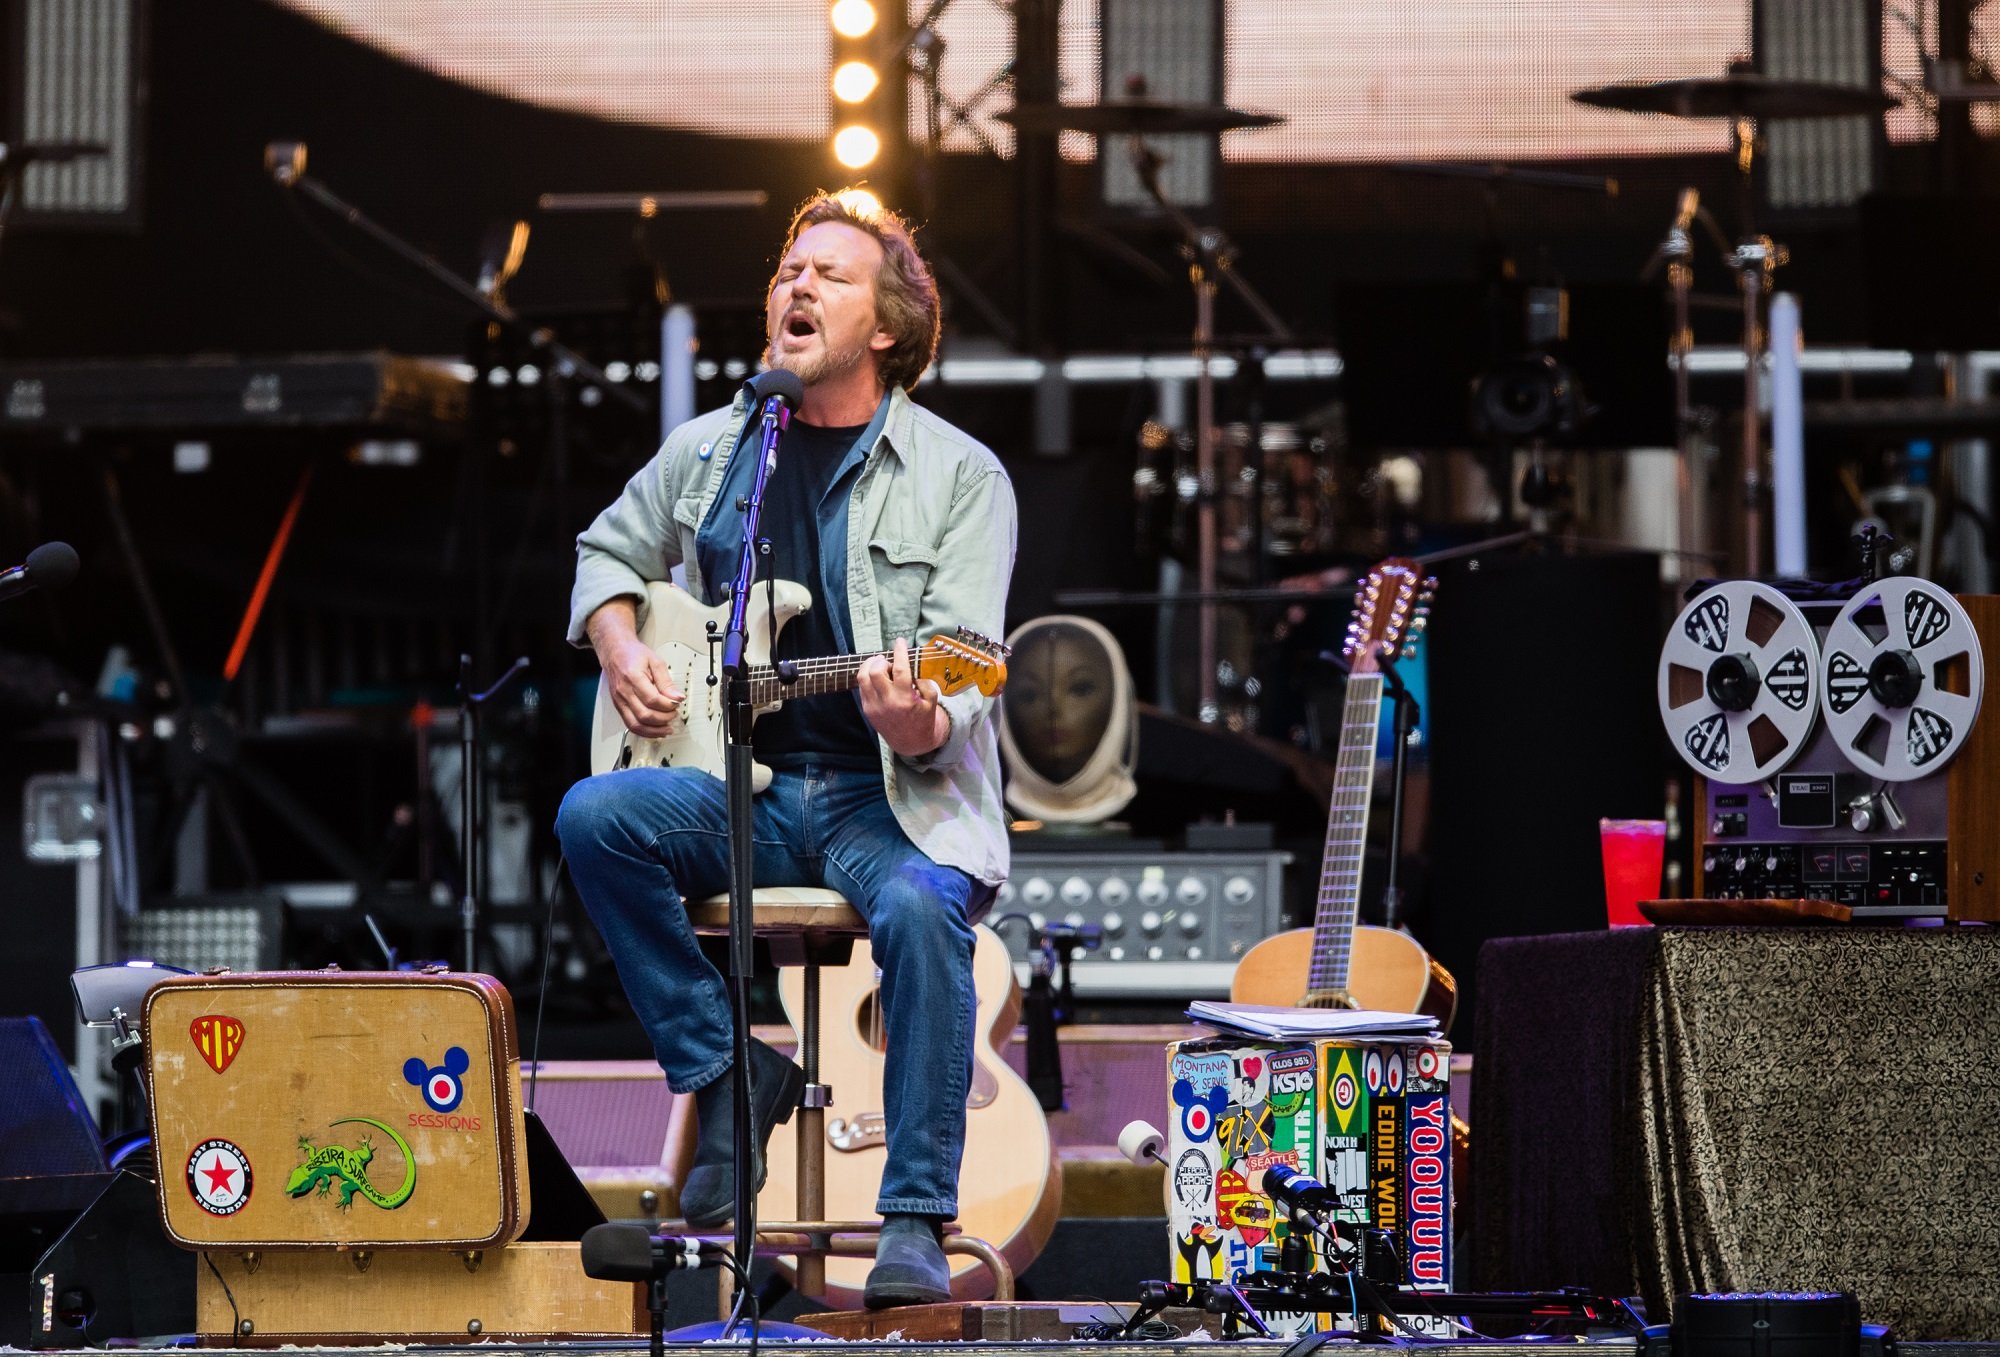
(829, 729)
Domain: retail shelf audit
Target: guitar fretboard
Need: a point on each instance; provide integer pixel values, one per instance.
(1346, 835)
(831, 674)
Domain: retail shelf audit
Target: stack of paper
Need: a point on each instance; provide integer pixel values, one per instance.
(1285, 1024)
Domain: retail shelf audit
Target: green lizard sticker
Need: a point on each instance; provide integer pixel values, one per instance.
(327, 1165)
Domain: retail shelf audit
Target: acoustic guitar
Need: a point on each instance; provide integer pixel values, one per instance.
(1010, 1186)
(1338, 962)
(678, 629)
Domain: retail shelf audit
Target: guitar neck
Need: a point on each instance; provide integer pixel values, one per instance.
(830, 674)
(1346, 835)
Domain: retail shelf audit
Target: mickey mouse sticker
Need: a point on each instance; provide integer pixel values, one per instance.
(1199, 1110)
(441, 1086)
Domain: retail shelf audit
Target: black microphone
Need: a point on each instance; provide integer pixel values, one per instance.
(1087, 936)
(49, 566)
(1300, 1191)
(776, 384)
(627, 1253)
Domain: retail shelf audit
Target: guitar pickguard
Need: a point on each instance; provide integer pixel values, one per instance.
(677, 628)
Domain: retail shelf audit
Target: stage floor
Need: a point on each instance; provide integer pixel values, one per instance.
(1193, 1347)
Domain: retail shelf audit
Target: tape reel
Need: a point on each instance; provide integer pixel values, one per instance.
(1739, 682)
(1901, 678)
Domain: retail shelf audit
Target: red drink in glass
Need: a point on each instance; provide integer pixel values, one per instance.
(1634, 853)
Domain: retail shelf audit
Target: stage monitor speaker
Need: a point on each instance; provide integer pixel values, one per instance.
(51, 1164)
(560, 1207)
(113, 1275)
(1543, 719)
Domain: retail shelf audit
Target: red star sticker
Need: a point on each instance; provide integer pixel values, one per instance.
(218, 1176)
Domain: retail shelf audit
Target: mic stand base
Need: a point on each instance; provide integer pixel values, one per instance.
(656, 1310)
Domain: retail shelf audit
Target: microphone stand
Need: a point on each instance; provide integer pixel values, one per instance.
(738, 716)
(471, 838)
(286, 162)
(1408, 713)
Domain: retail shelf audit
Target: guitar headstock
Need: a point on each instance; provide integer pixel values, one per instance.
(1391, 611)
(967, 660)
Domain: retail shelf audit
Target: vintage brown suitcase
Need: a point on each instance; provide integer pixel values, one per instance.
(332, 1109)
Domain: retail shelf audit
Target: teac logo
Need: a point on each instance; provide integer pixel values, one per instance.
(218, 1038)
(440, 1084)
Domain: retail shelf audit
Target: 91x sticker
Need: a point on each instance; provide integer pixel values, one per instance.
(218, 1177)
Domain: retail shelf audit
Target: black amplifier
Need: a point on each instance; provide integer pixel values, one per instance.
(1174, 923)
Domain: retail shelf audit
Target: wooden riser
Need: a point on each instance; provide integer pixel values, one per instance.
(406, 1296)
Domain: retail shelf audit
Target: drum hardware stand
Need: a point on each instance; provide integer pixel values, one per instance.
(1676, 251)
(1209, 254)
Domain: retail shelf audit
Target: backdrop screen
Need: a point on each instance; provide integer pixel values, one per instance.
(1355, 79)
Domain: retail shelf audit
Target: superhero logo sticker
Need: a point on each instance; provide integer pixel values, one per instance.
(442, 1085)
(1846, 682)
(1790, 679)
(1708, 625)
(218, 1038)
(1924, 619)
(1930, 736)
(218, 1177)
(1708, 742)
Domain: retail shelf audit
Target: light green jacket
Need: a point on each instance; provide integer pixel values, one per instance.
(930, 548)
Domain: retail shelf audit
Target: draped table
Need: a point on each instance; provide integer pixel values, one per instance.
(1668, 1110)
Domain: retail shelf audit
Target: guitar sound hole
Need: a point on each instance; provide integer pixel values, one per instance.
(869, 1023)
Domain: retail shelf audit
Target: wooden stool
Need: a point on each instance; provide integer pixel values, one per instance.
(810, 927)
(806, 926)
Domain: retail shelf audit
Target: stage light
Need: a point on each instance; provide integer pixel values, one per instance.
(854, 81)
(856, 147)
(852, 18)
(867, 81)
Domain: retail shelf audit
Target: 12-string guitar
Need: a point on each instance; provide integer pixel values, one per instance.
(678, 629)
(1338, 962)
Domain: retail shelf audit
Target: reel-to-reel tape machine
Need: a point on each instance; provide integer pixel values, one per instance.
(1838, 746)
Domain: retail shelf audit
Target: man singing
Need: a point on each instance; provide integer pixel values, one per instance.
(901, 526)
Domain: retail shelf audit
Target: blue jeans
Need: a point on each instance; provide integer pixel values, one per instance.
(641, 840)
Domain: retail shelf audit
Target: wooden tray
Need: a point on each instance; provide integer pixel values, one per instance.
(1745, 911)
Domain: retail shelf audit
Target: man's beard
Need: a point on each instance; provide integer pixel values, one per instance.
(814, 366)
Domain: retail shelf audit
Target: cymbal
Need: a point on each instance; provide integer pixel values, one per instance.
(1148, 116)
(1740, 94)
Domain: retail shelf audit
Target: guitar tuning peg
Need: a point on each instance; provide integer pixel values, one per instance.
(1430, 584)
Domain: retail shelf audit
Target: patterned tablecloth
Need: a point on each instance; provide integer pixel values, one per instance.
(1660, 1111)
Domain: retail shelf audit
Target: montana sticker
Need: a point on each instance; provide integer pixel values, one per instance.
(218, 1177)
(218, 1038)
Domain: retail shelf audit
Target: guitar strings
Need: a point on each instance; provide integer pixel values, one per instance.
(838, 663)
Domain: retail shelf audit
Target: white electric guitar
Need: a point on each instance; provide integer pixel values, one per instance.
(679, 630)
